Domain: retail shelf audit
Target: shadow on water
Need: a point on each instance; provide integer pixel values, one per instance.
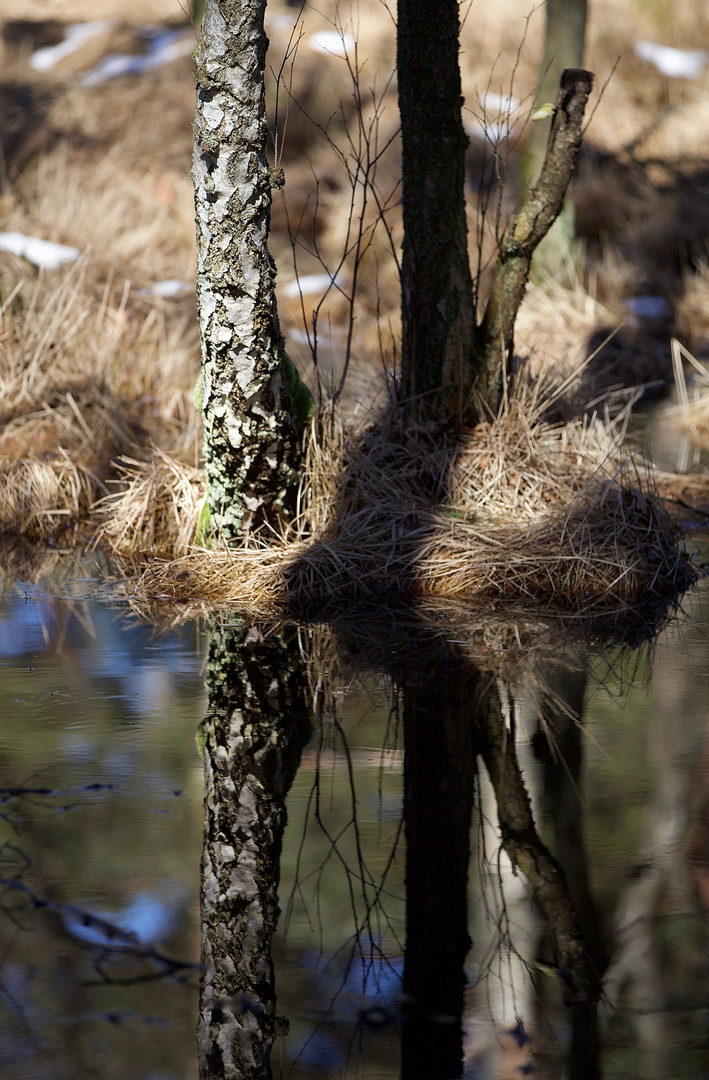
(476, 702)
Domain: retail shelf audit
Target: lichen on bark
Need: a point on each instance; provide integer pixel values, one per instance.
(252, 443)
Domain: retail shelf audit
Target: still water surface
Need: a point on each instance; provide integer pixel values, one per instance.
(101, 824)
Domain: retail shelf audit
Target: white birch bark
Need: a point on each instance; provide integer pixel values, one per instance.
(251, 442)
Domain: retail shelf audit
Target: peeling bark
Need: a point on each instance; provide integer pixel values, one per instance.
(257, 725)
(252, 446)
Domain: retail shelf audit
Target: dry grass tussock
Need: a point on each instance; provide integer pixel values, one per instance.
(156, 511)
(93, 364)
(686, 421)
(517, 508)
(79, 371)
(45, 498)
(60, 423)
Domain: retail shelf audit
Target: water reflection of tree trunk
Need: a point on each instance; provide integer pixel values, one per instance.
(563, 766)
(439, 779)
(650, 946)
(576, 969)
(450, 717)
(257, 724)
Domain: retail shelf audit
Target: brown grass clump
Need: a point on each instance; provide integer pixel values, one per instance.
(46, 499)
(77, 371)
(693, 311)
(92, 363)
(59, 424)
(156, 512)
(516, 508)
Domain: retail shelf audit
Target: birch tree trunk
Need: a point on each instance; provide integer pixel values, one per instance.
(252, 446)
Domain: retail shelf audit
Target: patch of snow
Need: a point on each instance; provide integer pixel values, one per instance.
(163, 47)
(43, 253)
(74, 37)
(499, 103)
(675, 63)
(332, 42)
(309, 285)
(492, 133)
(171, 287)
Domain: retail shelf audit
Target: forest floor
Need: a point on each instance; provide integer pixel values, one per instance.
(100, 438)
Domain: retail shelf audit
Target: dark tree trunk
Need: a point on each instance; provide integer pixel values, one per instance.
(256, 727)
(448, 364)
(439, 779)
(437, 294)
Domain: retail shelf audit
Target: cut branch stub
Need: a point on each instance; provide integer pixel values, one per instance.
(528, 227)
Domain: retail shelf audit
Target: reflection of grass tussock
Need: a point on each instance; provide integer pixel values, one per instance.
(156, 512)
(513, 642)
(515, 508)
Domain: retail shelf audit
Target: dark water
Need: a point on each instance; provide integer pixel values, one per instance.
(103, 743)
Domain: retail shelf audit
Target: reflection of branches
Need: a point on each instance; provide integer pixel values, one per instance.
(358, 982)
(365, 891)
(10, 796)
(118, 942)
